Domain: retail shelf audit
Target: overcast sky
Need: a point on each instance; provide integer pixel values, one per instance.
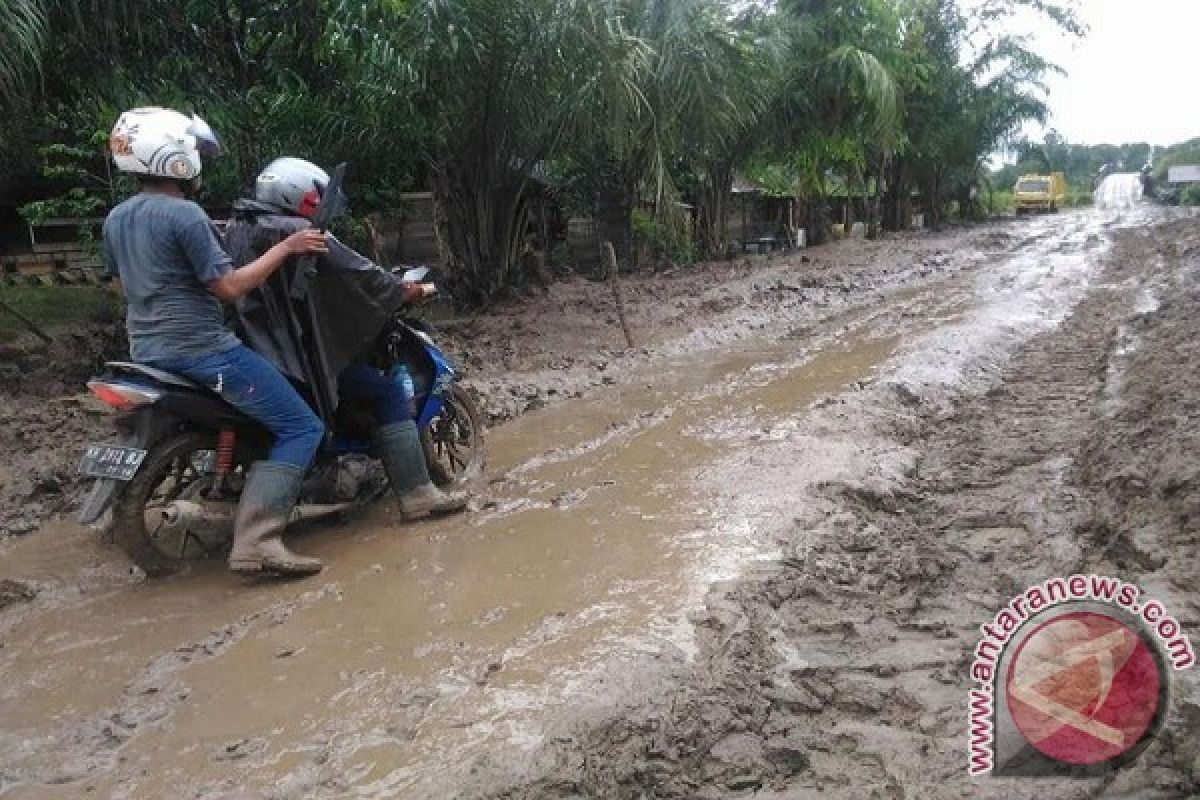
(1134, 78)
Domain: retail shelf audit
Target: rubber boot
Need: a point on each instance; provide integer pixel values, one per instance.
(262, 514)
(404, 462)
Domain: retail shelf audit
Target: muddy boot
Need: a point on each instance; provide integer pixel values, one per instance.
(267, 501)
(404, 462)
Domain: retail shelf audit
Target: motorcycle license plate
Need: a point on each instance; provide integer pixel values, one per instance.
(111, 461)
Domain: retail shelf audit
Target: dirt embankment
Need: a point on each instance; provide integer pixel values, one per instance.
(44, 421)
(521, 355)
(842, 669)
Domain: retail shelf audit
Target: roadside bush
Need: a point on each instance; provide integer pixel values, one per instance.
(1002, 200)
(666, 240)
(1078, 198)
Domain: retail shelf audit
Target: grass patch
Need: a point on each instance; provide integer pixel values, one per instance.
(57, 307)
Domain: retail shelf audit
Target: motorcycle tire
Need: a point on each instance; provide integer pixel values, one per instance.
(454, 442)
(130, 531)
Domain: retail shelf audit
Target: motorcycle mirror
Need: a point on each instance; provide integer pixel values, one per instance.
(415, 275)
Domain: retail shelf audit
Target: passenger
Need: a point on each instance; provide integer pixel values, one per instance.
(286, 195)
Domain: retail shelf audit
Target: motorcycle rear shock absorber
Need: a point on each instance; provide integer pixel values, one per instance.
(226, 445)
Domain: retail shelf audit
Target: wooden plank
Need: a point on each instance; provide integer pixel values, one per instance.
(58, 247)
(36, 269)
(27, 263)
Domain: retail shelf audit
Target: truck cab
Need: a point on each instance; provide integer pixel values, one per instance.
(1040, 192)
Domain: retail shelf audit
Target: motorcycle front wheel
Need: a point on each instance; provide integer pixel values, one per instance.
(453, 441)
(179, 467)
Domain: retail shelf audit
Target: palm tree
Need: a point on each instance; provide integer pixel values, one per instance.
(492, 88)
(841, 106)
(23, 28)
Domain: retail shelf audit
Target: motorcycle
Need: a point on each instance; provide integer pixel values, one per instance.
(168, 489)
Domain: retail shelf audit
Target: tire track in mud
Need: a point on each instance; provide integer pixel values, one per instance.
(841, 670)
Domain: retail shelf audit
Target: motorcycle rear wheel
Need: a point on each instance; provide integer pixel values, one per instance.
(176, 468)
(454, 442)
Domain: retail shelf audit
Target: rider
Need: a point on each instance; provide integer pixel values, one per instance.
(174, 273)
(286, 195)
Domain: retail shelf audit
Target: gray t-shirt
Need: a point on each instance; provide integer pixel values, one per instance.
(165, 251)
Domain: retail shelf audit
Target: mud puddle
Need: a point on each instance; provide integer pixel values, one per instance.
(417, 642)
(607, 520)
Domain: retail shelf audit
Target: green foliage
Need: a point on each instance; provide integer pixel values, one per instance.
(355, 232)
(666, 237)
(1182, 154)
(1078, 198)
(1002, 200)
(1082, 164)
(495, 104)
(71, 203)
(1190, 196)
(82, 192)
(23, 28)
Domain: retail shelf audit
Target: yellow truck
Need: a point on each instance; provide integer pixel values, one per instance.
(1040, 192)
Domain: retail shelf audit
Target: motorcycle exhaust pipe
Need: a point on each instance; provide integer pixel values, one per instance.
(310, 512)
(214, 519)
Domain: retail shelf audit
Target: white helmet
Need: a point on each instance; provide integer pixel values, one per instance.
(292, 185)
(161, 142)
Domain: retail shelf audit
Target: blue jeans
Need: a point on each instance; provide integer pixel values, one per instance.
(253, 385)
(386, 398)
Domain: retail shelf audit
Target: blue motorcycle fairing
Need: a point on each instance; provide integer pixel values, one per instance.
(444, 374)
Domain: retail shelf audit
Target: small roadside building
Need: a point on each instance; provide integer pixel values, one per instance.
(759, 220)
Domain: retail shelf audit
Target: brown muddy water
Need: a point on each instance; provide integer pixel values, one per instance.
(605, 521)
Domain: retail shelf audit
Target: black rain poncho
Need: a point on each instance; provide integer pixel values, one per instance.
(348, 303)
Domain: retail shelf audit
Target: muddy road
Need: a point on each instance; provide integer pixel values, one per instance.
(748, 559)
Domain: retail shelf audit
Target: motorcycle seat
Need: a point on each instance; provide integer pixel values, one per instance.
(158, 375)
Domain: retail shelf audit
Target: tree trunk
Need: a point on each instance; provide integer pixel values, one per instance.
(614, 217)
(615, 286)
(483, 227)
(817, 222)
(890, 210)
(711, 217)
(875, 199)
(935, 202)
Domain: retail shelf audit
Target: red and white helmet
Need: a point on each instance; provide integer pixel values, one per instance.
(162, 143)
(292, 185)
